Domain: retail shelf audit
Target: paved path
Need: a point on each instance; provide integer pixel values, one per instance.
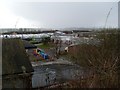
(58, 61)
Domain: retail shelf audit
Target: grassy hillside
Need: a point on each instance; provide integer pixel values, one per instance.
(102, 60)
(14, 58)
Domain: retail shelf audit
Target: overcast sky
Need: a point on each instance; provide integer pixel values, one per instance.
(57, 14)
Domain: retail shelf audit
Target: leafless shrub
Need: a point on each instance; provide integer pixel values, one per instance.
(102, 60)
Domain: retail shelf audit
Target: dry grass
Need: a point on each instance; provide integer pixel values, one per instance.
(102, 61)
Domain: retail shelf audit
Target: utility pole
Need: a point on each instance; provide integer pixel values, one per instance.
(16, 24)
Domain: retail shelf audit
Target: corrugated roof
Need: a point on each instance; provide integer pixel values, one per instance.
(28, 45)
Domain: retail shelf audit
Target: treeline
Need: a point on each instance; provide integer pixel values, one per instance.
(36, 31)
